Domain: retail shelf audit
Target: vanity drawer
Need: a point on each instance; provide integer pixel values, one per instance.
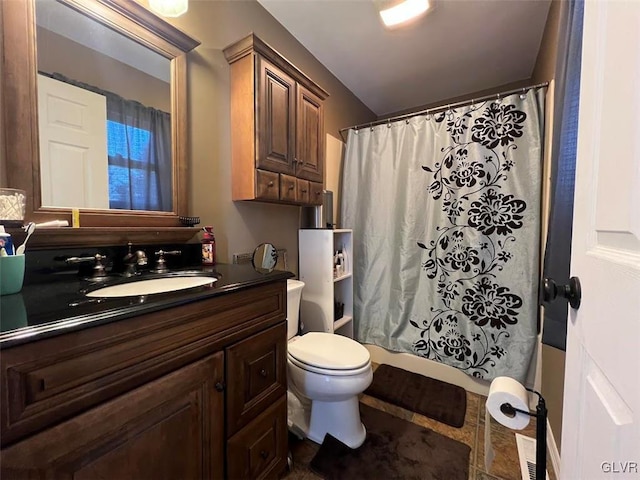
(259, 450)
(50, 380)
(256, 375)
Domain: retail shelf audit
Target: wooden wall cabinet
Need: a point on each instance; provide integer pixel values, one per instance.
(190, 392)
(277, 127)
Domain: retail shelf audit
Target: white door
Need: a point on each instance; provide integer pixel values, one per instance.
(73, 145)
(601, 426)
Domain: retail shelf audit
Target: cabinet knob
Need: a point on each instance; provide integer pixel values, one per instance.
(304, 190)
(264, 454)
(219, 386)
(263, 373)
(270, 184)
(318, 193)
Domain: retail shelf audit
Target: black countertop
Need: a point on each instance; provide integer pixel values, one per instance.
(58, 306)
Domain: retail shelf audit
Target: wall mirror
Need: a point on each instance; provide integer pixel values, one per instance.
(95, 111)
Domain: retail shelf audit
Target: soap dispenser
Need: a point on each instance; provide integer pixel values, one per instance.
(208, 247)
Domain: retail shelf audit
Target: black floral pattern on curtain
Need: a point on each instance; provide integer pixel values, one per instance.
(475, 239)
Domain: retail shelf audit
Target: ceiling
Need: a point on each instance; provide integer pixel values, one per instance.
(460, 47)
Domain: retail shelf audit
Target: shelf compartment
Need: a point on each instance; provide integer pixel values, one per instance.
(341, 277)
(341, 322)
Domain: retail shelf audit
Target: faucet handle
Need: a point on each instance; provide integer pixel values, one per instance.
(161, 263)
(98, 268)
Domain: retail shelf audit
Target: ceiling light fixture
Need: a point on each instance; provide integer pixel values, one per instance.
(169, 8)
(404, 11)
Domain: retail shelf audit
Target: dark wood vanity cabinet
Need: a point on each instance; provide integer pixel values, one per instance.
(190, 392)
(277, 119)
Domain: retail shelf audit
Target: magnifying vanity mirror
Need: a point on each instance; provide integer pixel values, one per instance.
(95, 111)
(265, 258)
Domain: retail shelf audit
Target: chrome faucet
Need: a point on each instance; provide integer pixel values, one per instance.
(133, 260)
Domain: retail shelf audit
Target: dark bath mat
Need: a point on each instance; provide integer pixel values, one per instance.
(394, 449)
(432, 398)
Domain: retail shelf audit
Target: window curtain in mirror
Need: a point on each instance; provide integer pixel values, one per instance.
(557, 258)
(139, 150)
(445, 212)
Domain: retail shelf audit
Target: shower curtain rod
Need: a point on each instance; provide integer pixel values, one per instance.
(447, 106)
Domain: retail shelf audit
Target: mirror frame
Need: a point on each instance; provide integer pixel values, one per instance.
(20, 122)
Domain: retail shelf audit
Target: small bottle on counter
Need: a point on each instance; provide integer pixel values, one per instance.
(6, 244)
(208, 247)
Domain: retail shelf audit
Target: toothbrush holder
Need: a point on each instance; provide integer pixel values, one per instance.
(11, 274)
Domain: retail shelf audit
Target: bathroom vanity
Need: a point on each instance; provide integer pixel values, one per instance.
(187, 384)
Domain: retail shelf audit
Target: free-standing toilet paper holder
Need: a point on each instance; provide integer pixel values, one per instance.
(541, 431)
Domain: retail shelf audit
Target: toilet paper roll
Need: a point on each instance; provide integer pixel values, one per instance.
(504, 390)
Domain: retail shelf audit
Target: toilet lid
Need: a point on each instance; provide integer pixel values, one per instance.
(326, 350)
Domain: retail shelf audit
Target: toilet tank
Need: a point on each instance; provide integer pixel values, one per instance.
(294, 293)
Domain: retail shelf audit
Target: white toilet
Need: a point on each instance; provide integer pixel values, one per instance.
(326, 374)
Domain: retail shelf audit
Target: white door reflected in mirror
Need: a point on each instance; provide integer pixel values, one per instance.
(73, 146)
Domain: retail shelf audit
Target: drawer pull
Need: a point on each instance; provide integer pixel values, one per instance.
(291, 187)
(220, 386)
(264, 454)
(270, 184)
(263, 373)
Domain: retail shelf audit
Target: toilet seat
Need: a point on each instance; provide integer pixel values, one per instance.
(329, 354)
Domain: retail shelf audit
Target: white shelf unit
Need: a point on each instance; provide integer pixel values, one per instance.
(317, 248)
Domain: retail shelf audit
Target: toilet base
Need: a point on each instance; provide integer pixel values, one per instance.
(341, 419)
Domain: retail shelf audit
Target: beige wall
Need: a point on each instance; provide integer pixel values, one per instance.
(57, 54)
(240, 226)
(552, 370)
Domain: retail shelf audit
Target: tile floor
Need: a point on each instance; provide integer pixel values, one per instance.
(505, 466)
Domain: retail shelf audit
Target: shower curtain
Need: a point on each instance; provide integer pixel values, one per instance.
(445, 212)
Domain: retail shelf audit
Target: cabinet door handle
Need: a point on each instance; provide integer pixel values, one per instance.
(304, 190)
(318, 193)
(264, 454)
(270, 184)
(291, 187)
(263, 373)
(219, 386)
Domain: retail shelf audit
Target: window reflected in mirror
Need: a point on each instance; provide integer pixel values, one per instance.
(104, 106)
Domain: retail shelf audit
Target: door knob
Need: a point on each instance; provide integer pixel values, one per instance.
(572, 292)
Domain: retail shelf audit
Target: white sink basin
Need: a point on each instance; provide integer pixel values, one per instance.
(148, 287)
